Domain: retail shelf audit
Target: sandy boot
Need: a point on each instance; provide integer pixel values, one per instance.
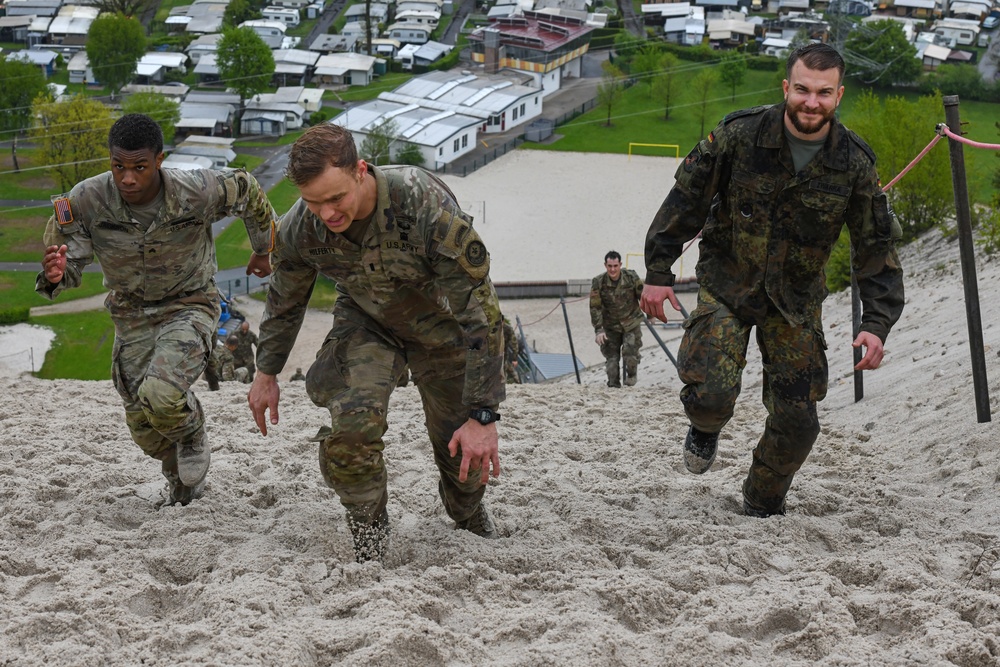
(480, 523)
(370, 539)
(193, 457)
(177, 491)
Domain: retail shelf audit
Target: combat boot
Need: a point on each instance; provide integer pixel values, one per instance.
(480, 523)
(699, 450)
(370, 539)
(760, 513)
(630, 379)
(177, 491)
(193, 457)
(614, 382)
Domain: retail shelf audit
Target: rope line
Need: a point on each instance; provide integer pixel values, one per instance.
(913, 163)
(957, 137)
(553, 310)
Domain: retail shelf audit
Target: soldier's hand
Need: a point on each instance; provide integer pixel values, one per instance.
(259, 265)
(873, 351)
(652, 300)
(480, 450)
(263, 397)
(601, 338)
(54, 263)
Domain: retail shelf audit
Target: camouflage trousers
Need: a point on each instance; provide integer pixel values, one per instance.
(622, 345)
(155, 362)
(353, 376)
(710, 363)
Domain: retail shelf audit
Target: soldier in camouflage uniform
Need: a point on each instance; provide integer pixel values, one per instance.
(151, 231)
(770, 190)
(617, 320)
(413, 288)
(244, 355)
(222, 362)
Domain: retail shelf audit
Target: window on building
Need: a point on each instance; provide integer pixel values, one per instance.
(465, 140)
(455, 146)
(522, 108)
(514, 115)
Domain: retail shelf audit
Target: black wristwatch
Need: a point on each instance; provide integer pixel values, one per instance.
(484, 416)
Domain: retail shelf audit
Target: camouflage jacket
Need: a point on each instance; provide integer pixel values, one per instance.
(420, 279)
(175, 257)
(244, 352)
(614, 305)
(767, 231)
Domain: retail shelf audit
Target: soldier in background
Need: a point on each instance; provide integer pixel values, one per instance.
(297, 376)
(244, 353)
(770, 190)
(617, 320)
(511, 352)
(222, 362)
(413, 288)
(151, 230)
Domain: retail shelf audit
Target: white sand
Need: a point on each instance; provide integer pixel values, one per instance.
(611, 553)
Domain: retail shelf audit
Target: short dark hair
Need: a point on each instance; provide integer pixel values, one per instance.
(233, 340)
(612, 254)
(135, 131)
(320, 147)
(816, 56)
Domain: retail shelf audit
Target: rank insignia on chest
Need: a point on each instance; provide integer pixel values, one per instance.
(64, 212)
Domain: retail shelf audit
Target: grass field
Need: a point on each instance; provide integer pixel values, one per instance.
(82, 346)
(17, 289)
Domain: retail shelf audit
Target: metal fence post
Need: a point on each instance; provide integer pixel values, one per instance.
(964, 220)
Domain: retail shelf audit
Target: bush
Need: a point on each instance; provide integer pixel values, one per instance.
(14, 315)
(838, 269)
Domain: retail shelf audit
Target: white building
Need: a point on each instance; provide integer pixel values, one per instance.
(271, 32)
(286, 15)
(352, 69)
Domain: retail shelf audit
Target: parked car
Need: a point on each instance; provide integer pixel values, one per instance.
(992, 20)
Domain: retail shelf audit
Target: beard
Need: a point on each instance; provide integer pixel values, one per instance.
(809, 128)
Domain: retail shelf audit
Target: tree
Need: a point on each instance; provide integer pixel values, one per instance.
(410, 154)
(732, 71)
(72, 137)
(664, 82)
(123, 7)
(165, 111)
(627, 47)
(23, 82)
(238, 11)
(646, 65)
(610, 89)
(897, 130)
(962, 80)
(702, 86)
(245, 61)
(878, 52)
(115, 43)
(377, 145)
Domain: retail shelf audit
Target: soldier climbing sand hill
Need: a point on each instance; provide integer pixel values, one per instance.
(151, 230)
(770, 190)
(414, 289)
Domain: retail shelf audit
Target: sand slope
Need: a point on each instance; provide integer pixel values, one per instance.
(612, 554)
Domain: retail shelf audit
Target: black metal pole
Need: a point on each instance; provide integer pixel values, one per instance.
(964, 219)
(569, 334)
(649, 325)
(859, 376)
(524, 354)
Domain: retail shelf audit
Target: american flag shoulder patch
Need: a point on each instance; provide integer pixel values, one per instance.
(64, 212)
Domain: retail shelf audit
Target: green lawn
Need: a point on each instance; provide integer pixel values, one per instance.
(30, 182)
(82, 346)
(17, 289)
